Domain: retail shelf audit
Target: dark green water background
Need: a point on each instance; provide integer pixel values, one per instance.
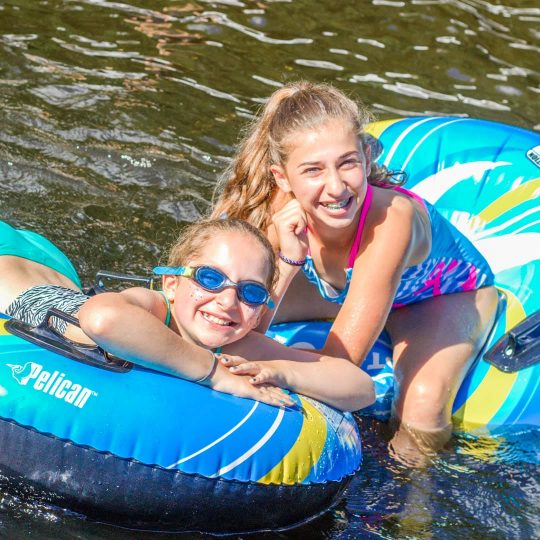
(117, 117)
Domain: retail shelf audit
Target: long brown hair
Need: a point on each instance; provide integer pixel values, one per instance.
(247, 187)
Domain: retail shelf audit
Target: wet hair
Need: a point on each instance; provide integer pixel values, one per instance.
(194, 238)
(245, 191)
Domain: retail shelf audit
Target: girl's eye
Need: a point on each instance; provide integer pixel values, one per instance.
(311, 171)
(350, 163)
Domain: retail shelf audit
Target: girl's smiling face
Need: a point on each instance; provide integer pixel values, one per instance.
(212, 319)
(326, 171)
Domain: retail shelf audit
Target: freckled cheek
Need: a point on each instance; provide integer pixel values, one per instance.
(198, 294)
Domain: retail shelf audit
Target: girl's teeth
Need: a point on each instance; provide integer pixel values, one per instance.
(336, 206)
(216, 320)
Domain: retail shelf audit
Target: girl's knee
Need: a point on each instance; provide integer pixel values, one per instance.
(425, 404)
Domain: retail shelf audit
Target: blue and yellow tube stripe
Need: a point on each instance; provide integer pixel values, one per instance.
(499, 195)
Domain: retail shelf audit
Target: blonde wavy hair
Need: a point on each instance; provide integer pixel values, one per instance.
(194, 237)
(246, 189)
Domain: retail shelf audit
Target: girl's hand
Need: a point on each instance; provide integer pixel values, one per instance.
(261, 373)
(291, 225)
(225, 381)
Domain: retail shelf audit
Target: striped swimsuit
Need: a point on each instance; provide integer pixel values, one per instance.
(452, 265)
(32, 305)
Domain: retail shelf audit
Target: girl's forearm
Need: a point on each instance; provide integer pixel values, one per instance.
(132, 333)
(132, 328)
(334, 381)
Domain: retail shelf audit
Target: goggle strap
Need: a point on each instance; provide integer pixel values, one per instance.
(186, 271)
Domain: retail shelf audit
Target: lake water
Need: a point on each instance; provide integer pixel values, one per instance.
(117, 117)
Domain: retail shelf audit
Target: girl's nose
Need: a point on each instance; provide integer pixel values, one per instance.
(227, 298)
(334, 183)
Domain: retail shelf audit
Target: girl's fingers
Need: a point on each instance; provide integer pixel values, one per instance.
(284, 399)
(229, 361)
(279, 401)
(291, 223)
(263, 384)
(289, 216)
(278, 396)
(262, 377)
(245, 369)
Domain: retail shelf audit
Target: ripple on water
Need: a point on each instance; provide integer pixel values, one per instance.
(75, 96)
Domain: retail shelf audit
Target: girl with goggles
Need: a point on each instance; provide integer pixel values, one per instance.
(216, 287)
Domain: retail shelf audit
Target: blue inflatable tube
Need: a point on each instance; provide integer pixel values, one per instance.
(146, 450)
(485, 178)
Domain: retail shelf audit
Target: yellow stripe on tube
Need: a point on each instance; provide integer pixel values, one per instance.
(3, 331)
(376, 129)
(295, 466)
(514, 310)
(488, 398)
(510, 200)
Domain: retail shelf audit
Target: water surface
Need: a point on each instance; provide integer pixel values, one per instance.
(116, 119)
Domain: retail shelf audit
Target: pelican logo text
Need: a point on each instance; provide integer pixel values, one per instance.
(55, 384)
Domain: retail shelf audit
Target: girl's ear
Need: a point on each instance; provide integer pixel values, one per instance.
(169, 286)
(280, 177)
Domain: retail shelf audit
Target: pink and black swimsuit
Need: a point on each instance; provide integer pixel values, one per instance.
(453, 264)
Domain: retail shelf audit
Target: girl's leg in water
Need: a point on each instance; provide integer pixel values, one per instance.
(434, 341)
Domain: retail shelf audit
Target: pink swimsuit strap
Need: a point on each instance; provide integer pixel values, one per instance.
(361, 222)
(410, 194)
(365, 209)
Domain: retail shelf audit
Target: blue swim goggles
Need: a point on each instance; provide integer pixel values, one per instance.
(211, 279)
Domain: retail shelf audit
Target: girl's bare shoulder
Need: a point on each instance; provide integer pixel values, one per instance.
(393, 205)
(148, 299)
(402, 221)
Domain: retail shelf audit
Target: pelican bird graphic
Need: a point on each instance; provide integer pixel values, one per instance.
(22, 374)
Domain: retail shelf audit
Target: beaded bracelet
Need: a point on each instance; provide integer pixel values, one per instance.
(292, 262)
(212, 369)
